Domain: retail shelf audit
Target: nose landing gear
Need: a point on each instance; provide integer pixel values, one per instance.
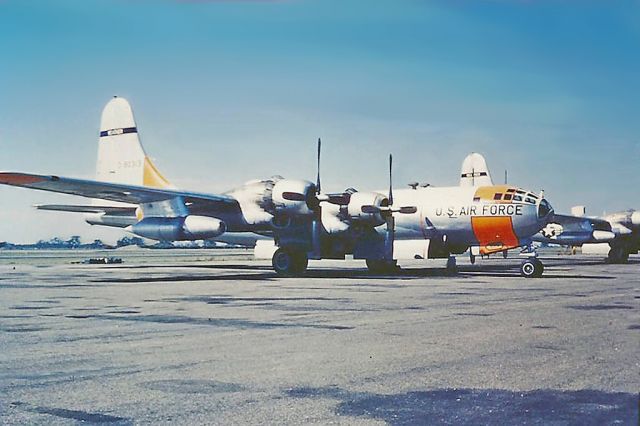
(531, 268)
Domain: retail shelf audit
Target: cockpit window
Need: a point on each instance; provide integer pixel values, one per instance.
(544, 209)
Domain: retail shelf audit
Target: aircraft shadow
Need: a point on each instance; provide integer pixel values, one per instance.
(482, 406)
(402, 274)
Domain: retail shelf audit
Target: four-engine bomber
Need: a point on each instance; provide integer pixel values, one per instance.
(304, 222)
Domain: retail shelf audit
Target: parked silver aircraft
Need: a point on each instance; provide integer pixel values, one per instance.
(305, 223)
(621, 230)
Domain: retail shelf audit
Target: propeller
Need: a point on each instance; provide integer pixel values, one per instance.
(316, 224)
(387, 213)
(389, 209)
(339, 198)
(318, 191)
(390, 180)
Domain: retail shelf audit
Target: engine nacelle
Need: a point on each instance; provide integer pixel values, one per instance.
(360, 199)
(332, 219)
(293, 197)
(635, 218)
(187, 228)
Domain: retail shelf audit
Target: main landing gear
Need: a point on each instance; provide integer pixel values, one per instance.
(531, 268)
(289, 261)
(378, 266)
(618, 254)
(452, 266)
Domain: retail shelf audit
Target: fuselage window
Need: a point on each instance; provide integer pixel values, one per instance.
(497, 196)
(507, 197)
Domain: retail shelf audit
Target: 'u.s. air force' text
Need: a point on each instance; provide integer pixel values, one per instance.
(483, 210)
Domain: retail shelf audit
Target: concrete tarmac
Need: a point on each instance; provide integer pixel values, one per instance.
(210, 339)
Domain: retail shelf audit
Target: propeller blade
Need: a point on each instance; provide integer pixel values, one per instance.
(293, 196)
(389, 210)
(408, 210)
(390, 180)
(370, 209)
(318, 168)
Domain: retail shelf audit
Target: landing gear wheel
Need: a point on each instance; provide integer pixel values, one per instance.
(289, 262)
(452, 266)
(377, 266)
(472, 259)
(505, 254)
(531, 268)
(618, 254)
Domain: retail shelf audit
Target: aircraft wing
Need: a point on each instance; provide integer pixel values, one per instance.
(596, 224)
(575, 230)
(124, 193)
(88, 209)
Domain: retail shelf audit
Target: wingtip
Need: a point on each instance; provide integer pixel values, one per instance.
(19, 179)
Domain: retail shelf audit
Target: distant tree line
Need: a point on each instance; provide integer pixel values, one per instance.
(75, 243)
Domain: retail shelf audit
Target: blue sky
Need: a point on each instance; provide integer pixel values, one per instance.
(227, 91)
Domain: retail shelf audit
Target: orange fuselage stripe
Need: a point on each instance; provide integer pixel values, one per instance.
(494, 233)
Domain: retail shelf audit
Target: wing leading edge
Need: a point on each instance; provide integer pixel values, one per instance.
(124, 193)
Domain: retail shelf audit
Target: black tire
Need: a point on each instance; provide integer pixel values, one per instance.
(452, 266)
(531, 268)
(301, 262)
(618, 255)
(377, 266)
(289, 262)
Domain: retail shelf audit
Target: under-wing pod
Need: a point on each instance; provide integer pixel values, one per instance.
(187, 228)
(294, 197)
(603, 236)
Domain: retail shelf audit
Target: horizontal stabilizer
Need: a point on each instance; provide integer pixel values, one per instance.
(112, 210)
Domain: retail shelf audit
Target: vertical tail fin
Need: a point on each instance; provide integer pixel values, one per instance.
(474, 171)
(121, 157)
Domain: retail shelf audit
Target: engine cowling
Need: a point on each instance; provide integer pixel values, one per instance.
(187, 228)
(293, 197)
(361, 199)
(333, 219)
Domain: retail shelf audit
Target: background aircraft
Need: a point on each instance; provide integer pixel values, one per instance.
(621, 230)
(305, 223)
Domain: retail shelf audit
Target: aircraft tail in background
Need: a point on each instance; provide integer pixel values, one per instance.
(474, 171)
